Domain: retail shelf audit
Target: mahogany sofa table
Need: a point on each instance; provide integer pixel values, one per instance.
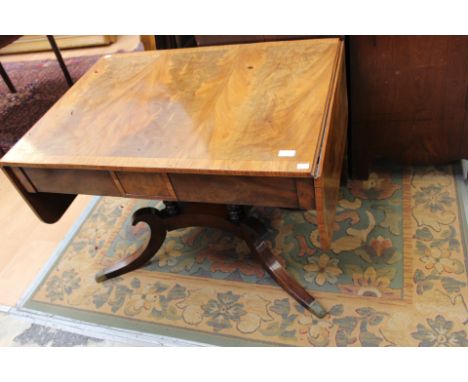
(210, 131)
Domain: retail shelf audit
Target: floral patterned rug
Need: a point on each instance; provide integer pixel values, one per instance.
(396, 274)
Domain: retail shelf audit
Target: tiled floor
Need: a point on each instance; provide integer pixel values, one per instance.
(20, 331)
(22, 328)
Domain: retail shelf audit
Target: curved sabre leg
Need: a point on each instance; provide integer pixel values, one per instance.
(252, 234)
(150, 216)
(250, 230)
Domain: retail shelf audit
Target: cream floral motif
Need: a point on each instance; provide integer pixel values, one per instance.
(86, 297)
(168, 254)
(432, 220)
(377, 186)
(349, 205)
(370, 282)
(373, 182)
(433, 206)
(257, 308)
(440, 334)
(322, 270)
(223, 311)
(191, 306)
(440, 260)
(193, 314)
(144, 300)
(247, 312)
(318, 333)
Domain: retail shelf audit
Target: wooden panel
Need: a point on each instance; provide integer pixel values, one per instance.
(72, 181)
(221, 110)
(23, 179)
(147, 185)
(305, 193)
(407, 97)
(327, 182)
(48, 207)
(148, 41)
(274, 192)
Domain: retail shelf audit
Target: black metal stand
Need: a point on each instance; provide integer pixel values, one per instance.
(5, 77)
(58, 55)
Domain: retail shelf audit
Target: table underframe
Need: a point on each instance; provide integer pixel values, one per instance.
(231, 218)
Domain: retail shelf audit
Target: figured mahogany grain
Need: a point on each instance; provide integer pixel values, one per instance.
(305, 193)
(153, 185)
(222, 110)
(327, 182)
(247, 190)
(48, 207)
(258, 124)
(86, 182)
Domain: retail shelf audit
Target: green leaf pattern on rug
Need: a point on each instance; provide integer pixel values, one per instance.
(282, 327)
(362, 328)
(167, 310)
(352, 329)
(432, 204)
(223, 311)
(62, 285)
(436, 238)
(439, 332)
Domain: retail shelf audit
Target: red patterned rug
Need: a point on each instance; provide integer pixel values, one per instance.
(39, 85)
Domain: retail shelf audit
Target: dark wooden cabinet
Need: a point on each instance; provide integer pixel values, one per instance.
(408, 99)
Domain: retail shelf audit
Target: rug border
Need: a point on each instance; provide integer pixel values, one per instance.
(110, 321)
(461, 189)
(407, 287)
(54, 258)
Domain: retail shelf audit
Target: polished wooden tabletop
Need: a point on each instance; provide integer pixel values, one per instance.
(254, 109)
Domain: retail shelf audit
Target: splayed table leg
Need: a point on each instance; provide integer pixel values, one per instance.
(234, 219)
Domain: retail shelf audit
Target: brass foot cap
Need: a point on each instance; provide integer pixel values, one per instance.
(317, 309)
(100, 277)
